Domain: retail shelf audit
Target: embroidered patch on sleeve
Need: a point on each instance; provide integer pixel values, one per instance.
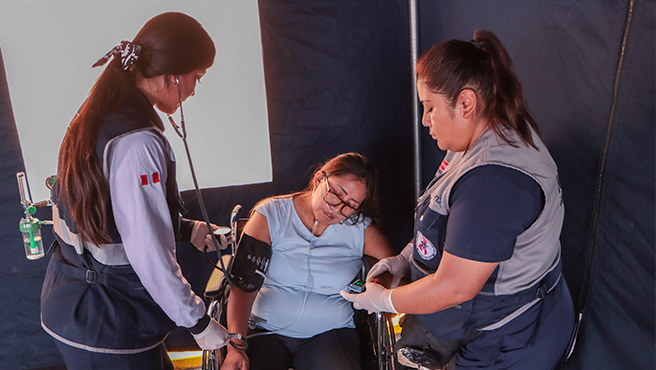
(424, 247)
(145, 181)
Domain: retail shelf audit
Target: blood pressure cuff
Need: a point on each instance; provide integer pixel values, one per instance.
(251, 263)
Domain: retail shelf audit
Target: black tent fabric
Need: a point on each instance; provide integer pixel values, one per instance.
(338, 79)
(567, 55)
(23, 344)
(331, 88)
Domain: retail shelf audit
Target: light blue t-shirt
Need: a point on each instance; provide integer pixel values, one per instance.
(321, 265)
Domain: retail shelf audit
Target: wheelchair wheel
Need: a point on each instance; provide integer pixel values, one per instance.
(385, 339)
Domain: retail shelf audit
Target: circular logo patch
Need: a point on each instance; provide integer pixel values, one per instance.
(424, 247)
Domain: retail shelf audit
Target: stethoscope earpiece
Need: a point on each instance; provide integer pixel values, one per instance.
(183, 133)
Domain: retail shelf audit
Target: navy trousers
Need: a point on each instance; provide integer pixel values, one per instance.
(79, 359)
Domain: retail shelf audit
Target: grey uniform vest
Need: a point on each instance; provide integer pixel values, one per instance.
(537, 250)
(91, 298)
(136, 114)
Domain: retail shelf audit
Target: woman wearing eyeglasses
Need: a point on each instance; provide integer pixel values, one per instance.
(318, 238)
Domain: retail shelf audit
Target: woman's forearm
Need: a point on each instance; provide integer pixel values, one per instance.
(240, 304)
(456, 280)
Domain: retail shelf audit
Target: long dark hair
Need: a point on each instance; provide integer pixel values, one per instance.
(484, 66)
(171, 44)
(360, 167)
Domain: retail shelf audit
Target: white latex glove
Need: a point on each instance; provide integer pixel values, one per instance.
(375, 298)
(398, 266)
(200, 237)
(213, 337)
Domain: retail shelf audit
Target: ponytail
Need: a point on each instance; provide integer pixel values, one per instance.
(507, 109)
(170, 43)
(483, 65)
(83, 185)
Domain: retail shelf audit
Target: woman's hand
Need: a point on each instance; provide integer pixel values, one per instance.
(213, 337)
(235, 360)
(201, 238)
(375, 298)
(398, 266)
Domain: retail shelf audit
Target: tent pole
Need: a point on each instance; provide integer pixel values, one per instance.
(416, 124)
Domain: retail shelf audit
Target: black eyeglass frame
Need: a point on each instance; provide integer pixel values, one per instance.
(354, 217)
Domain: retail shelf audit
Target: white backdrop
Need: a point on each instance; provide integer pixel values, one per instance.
(49, 47)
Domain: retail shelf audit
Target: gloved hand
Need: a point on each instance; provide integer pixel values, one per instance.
(398, 266)
(213, 337)
(200, 237)
(375, 298)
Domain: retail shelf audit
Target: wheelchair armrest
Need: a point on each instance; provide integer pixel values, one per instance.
(214, 284)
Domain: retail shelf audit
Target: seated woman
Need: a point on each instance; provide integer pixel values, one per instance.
(318, 238)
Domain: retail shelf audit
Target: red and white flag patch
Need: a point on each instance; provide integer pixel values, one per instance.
(444, 166)
(145, 179)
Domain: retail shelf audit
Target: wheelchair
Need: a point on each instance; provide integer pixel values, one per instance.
(217, 290)
(379, 326)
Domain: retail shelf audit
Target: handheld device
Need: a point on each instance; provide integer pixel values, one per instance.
(357, 287)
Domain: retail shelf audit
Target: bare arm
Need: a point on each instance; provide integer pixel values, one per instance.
(376, 246)
(240, 303)
(456, 280)
(239, 310)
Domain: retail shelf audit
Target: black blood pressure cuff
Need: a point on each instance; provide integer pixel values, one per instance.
(250, 264)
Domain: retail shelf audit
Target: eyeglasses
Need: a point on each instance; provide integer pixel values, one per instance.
(348, 210)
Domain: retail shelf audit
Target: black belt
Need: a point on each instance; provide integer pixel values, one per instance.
(79, 273)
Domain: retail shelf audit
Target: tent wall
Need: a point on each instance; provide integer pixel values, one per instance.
(567, 55)
(338, 79)
(22, 341)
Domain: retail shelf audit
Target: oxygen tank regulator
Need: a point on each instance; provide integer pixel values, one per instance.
(29, 226)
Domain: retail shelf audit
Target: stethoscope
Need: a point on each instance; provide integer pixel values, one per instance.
(183, 134)
(181, 131)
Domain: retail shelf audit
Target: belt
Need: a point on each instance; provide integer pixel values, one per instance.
(546, 285)
(79, 273)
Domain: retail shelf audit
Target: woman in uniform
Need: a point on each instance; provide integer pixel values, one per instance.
(113, 289)
(485, 268)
